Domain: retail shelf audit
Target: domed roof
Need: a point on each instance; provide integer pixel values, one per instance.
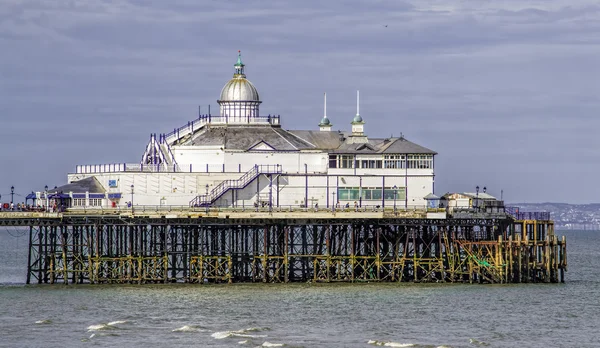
(357, 119)
(325, 122)
(239, 88)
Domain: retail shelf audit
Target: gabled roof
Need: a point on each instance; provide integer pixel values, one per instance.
(261, 146)
(431, 196)
(245, 138)
(401, 145)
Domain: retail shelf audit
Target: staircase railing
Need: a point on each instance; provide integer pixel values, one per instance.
(234, 184)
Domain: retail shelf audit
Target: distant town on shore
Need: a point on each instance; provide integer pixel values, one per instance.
(567, 216)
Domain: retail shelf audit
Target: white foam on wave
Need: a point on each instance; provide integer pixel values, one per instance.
(108, 326)
(45, 321)
(390, 344)
(396, 344)
(243, 342)
(188, 328)
(116, 322)
(238, 333)
(97, 327)
(477, 342)
(269, 344)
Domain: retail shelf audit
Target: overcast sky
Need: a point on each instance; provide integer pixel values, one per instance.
(505, 91)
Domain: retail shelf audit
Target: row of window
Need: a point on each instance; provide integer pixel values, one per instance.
(80, 202)
(371, 193)
(388, 162)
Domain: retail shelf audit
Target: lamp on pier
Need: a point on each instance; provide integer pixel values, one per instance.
(477, 196)
(333, 203)
(395, 192)
(12, 194)
(46, 196)
(132, 197)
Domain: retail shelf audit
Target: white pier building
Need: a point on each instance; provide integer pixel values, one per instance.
(242, 158)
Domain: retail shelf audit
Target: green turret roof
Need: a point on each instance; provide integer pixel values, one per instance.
(357, 119)
(325, 122)
(239, 60)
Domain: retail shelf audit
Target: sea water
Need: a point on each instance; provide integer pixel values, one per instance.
(302, 315)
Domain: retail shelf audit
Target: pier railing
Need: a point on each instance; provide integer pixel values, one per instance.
(527, 215)
(202, 120)
(183, 168)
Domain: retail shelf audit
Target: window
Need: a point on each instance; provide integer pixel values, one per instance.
(346, 161)
(420, 161)
(394, 162)
(370, 164)
(349, 193)
(95, 202)
(370, 193)
(332, 161)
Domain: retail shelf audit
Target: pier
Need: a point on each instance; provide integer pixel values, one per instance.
(268, 245)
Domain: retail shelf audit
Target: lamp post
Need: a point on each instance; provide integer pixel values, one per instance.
(132, 198)
(333, 204)
(12, 194)
(477, 197)
(206, 199)
(395, 192)
(46, 197)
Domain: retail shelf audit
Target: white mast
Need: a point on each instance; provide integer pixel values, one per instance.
(357, 102)
(325, 124)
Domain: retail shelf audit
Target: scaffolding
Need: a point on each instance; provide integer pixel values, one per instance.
(142, 250)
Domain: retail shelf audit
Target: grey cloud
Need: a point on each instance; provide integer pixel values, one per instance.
(505, 92)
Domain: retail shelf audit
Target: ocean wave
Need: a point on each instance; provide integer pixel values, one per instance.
(45, 321)
(269, 344)
(116, 322)
(188, 328)
(390, 344)
(477, 342)
(108, 326)
(243, 342)
(98, 327)
(239, 333)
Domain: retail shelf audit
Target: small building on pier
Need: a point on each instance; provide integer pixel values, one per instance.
(242, 158)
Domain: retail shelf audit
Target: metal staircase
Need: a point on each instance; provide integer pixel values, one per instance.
(226, 185)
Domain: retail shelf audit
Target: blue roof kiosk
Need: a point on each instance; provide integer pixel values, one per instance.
(433, 201)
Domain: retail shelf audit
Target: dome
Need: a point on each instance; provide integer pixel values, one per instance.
(357, 119)
(325, 121)
(239, 89)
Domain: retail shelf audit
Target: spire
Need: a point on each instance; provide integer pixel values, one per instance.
(239, 66)
(358, 125)
(325, 124)
(357, 103)
(325, 105)
(357, 118)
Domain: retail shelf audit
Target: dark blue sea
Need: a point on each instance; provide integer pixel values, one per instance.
(302, 315)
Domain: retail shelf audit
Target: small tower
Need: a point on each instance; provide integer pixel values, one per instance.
(239, 100)
(239, 66)
(358, 135)
(325, 124)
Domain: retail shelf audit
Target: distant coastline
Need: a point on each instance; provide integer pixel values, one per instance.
(567, 216)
